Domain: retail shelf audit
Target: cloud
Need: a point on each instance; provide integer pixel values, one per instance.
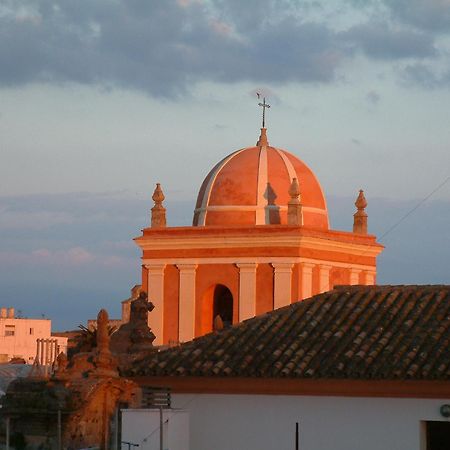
(430, 15)
(163, 48)
(378, 40)
(425, 76)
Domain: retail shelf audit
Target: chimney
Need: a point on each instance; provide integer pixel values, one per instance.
(3, 313)
(10, 313)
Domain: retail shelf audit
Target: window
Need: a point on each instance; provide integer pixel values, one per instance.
(223, 305)
(438, 435)
(10, 330)
(31, 331)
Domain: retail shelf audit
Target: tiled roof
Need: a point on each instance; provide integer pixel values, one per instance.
(351, 332)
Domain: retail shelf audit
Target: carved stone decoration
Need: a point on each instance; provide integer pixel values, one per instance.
(158, 211)
(295, 213)
(105, 363)
(135, 336)
(360, 217)
(89, 425)
(99, 362)
(102, 331)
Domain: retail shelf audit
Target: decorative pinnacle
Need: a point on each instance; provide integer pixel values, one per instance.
(158, 195)
(294, 189)
(361, 202)
(295, 213)
(360, 216)
(158, 211)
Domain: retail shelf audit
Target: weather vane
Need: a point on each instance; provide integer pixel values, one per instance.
(264, 105)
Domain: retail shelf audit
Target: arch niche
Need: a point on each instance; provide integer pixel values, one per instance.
(217, 302)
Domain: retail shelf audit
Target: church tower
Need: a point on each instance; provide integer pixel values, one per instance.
(260, 240)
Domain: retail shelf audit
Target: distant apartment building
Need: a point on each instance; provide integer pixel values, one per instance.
(28, 338)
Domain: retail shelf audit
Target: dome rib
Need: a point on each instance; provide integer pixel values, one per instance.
(212, 178)
(260, 218)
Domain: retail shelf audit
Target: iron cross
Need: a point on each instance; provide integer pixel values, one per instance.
(264, 106)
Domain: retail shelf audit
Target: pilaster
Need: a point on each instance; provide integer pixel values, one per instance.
(354, 276)
(187, 302)
(324, 277)
(307, 280)
(282, 284)
(247, 290)
(369, 277)
(155, 276)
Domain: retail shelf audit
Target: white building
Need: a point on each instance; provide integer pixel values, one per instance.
(356, 368)
(27, 338)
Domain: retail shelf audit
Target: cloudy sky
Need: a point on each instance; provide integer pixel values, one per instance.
(99, 100)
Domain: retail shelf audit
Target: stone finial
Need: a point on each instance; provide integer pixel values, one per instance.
(262, 141)
(360, 217)
(102, 331)
(295, 213)
(158, 211)
(135, 335)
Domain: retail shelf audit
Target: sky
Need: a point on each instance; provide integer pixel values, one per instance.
(99, 100)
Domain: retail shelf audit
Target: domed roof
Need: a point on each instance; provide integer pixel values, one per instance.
(250, 187)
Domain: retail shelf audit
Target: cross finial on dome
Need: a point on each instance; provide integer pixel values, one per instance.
(262, 141)
(264, 105)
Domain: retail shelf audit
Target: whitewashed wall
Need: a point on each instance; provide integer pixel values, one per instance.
(244, 422)
(141, 426)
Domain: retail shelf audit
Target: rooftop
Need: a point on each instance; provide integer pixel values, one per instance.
(350, 332)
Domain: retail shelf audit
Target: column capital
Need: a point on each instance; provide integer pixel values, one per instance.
(187, 268)
(155, 268)
(282, 266)
(246, 267)
(325, 267)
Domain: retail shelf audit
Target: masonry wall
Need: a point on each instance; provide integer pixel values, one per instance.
(264, 422)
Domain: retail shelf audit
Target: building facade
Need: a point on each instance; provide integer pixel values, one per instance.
(260, 240)
(26, 339)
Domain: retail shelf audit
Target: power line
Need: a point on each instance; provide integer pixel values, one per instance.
(396, 224)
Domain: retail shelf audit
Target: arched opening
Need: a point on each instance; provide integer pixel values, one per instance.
(222, 306)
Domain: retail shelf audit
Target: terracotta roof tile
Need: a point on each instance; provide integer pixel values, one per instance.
(351, 332)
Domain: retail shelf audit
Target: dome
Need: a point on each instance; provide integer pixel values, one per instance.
(250, 187)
